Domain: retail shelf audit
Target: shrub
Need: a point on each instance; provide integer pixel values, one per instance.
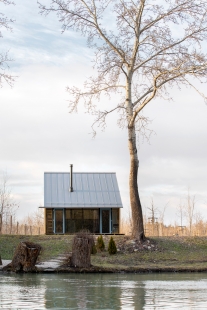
(100, 243)
(112, 246)
(93, 249)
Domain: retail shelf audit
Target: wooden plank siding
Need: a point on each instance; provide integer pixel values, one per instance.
(49, 221)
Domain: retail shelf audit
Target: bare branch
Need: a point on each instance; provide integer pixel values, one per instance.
(168, 76)
(101, 118)
(142, 48)
(169, 47)
(4, 59)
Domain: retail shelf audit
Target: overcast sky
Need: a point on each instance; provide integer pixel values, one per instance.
(38, 134)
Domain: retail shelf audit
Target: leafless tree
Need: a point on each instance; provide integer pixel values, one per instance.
(153, 219)
(190, 210)
(199, 226)
(5, 23)
(152, 210)
(33, 222)
(181, 212)
(8, 206)
(161, 217)
(162, 212)
(39, 218)
(142, 47)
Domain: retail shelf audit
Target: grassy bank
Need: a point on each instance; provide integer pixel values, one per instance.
(166, 253)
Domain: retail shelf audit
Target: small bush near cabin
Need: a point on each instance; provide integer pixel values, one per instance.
(112, 246)
(93, 249)
(100, 243)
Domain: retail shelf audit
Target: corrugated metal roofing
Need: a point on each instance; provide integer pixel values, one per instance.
(90, 190)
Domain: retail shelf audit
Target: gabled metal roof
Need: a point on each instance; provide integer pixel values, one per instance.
(90, 190)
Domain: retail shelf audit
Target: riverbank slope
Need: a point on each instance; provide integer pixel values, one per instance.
(161, 254)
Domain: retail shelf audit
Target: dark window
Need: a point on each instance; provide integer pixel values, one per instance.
(58, 221)
(78, 219)
(115, 221)
(105, 221)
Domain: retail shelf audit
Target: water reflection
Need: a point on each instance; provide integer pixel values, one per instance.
(103, 291)
(16, 291)
(87, 292)
(187, 291)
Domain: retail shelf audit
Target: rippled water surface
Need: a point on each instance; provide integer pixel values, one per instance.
(103, 291)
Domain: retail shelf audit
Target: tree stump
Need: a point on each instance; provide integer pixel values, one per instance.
(81, 250)
(25, 257)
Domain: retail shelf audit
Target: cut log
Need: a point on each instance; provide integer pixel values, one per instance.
(25, 257)
(81, 250)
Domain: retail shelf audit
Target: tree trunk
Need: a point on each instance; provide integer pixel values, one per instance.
(0, 223)
(0, 260)
(136, 208)
(25, 257)
(81, 250)
(81, 253)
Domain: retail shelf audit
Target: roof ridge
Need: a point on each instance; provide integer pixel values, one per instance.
(81, 172)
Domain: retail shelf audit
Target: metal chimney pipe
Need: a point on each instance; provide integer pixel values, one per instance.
(71, 178)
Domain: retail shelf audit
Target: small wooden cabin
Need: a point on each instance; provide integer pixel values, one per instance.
(76, 201)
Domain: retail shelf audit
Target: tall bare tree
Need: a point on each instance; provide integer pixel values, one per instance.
(142, 47)
(181, 213)
(190, 210)
(5, 23)
(8, 206)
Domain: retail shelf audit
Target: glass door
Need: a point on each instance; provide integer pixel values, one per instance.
(58, 221)
(105, 221)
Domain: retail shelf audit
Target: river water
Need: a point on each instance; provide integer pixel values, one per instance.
(103, 291)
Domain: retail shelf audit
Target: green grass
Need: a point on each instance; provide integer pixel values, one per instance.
(178, 253)
(172, 252)
(52, 246)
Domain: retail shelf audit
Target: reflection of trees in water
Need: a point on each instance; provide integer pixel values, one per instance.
(103, 291)
(21, 291)
(93, 291)
(151, 299)
(106, 294)
(81, 297)
(132, 294)
(170, 291)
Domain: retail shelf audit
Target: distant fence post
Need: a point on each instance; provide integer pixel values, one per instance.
(17, 228)
(30, 230)
(38, 230)
(25, 229)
